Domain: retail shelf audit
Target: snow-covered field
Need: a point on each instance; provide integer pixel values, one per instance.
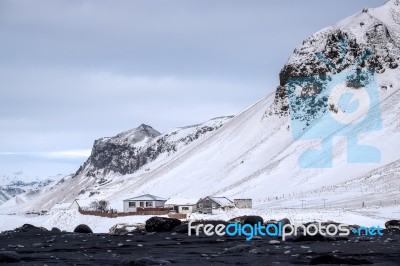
(68, 220)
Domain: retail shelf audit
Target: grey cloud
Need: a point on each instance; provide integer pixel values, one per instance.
(74, 71)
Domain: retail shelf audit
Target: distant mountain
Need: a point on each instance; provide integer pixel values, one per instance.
(11, 187)
(254, 154)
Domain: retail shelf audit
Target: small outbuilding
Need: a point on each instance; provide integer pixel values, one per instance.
(208, 204)
(243, 203)
(182, 205)
(75, 205)
(146, 201)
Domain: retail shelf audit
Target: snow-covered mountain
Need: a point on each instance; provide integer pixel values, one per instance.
(253, 154)
(128, 151)
(16, 184)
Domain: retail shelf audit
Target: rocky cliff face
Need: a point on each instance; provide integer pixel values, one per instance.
(367, 41)
(127, 152)
(119, 154)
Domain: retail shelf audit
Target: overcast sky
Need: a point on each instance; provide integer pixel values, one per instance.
(73, 71)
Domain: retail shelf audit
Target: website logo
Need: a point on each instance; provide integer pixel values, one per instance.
(280, 230)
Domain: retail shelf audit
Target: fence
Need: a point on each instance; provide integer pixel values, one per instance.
(177, 215)
(153, 211)
(305, 203)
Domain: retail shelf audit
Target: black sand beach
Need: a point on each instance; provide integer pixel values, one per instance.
(142, 248)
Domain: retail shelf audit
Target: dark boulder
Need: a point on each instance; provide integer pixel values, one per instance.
(285, 221)
(161, 224)
(252, 220)
(9, 257)
(55, 230)
(306, 238)
(392, 224)
(83, 229)
(247, 219)
(329, 259)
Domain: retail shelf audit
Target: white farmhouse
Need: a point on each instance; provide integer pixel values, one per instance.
(145, 201)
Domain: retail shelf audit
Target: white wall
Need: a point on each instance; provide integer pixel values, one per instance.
(191, 208)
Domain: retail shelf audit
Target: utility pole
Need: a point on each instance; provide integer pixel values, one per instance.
(302, 203)
(324, 202)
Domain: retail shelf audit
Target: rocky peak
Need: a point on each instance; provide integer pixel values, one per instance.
(133, 136)
(148, 130)
(368, 40)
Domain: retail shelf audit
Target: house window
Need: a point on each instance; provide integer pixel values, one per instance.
(141, 204)
(200, 205)
(132, 204)
(149, 204)
(214, 205)
(185, 208)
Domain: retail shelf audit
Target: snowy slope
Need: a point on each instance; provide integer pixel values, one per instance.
(253, 154)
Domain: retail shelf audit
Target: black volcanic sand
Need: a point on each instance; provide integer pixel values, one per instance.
(40, 248)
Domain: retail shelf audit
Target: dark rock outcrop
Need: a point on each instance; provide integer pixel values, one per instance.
(335, 50)
(119, 154)
(128, 151)
(28, 228)
(161, 224)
